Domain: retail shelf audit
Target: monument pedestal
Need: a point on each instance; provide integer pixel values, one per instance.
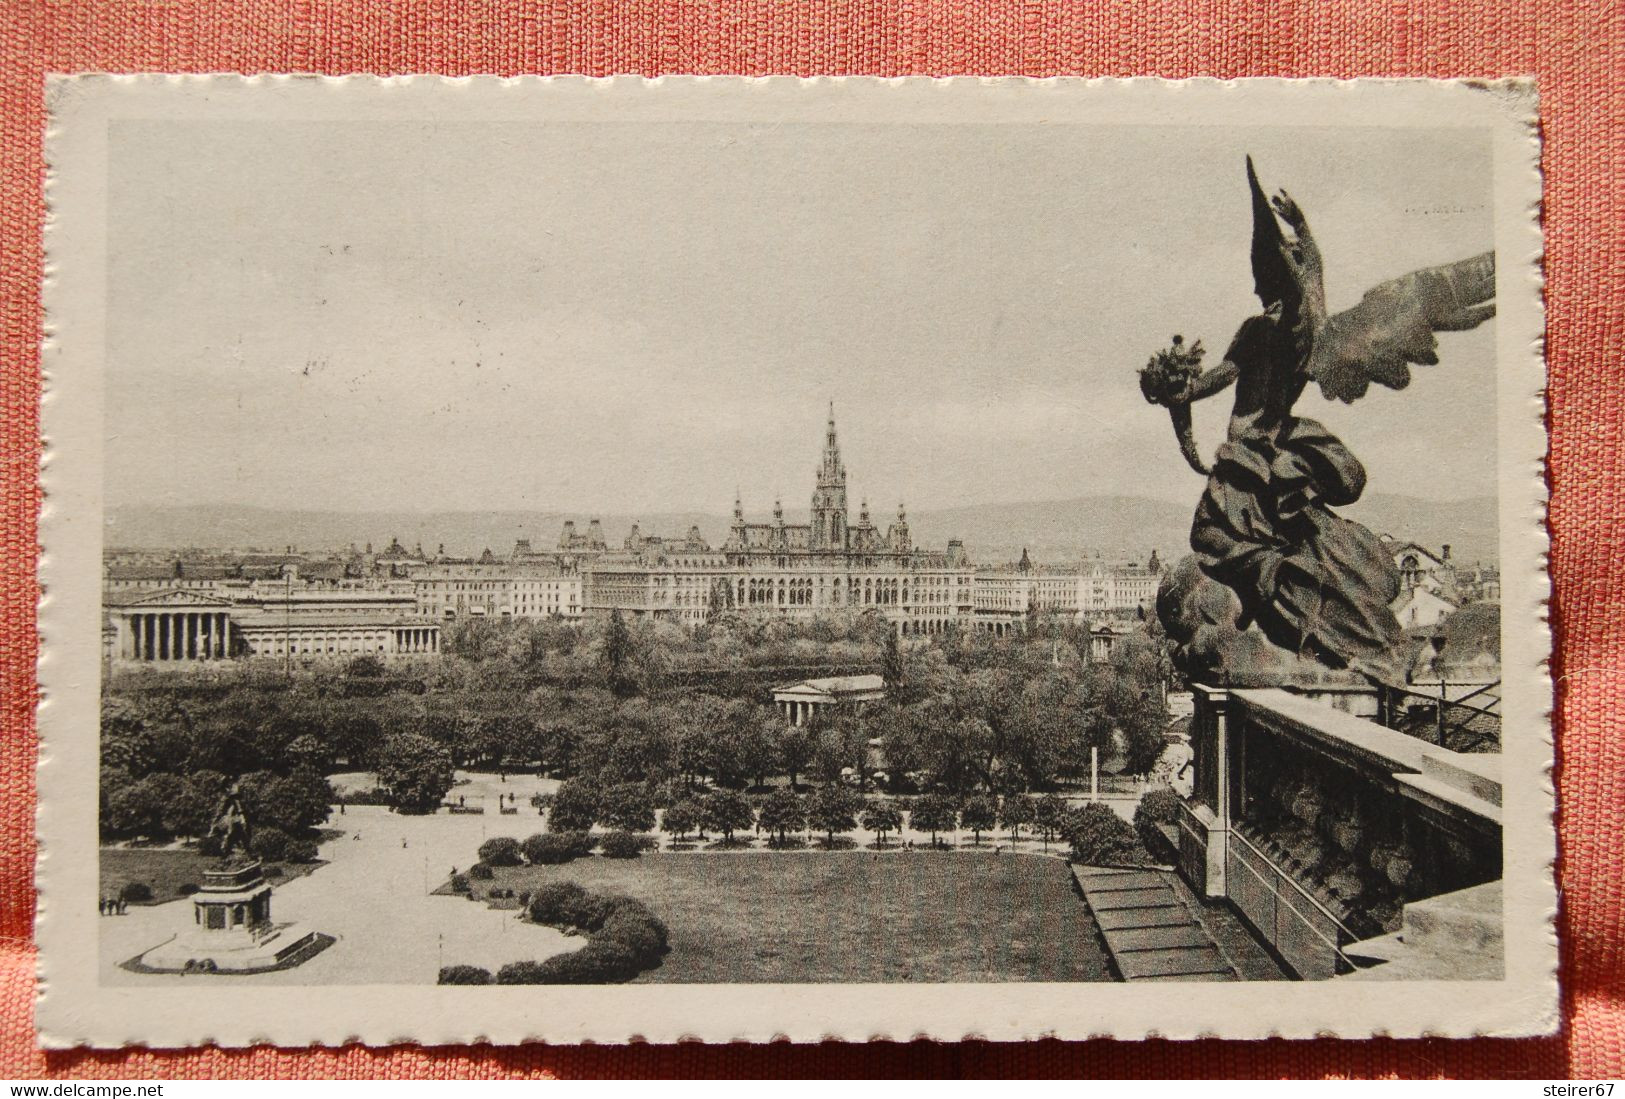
(232, 930)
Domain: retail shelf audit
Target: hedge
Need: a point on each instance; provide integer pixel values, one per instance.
(501, 851)
(624, 845)
(464, 975)
(625, 937)
(552, 848)
(1159, 806)
(481, 871)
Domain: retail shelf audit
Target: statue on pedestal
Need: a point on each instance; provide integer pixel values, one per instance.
(1281, 589)
(230, 831)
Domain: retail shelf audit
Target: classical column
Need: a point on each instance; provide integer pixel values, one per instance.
(192, 628)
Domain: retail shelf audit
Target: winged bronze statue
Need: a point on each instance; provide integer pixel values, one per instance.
(1317, 585)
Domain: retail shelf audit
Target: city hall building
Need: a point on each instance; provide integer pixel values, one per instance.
(797, 570)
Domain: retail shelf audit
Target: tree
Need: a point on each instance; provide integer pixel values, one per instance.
(754, 731)
(295, 803)
(727, 811)
(842, 746)
(796, 749)
(934, 813)
(1050, 813)
(893, 670)
(783, 812)
(1099, 837)
(1018, 811)
(832, 810)
(980, 814)
(881, 817)
(627, 808)
(575, 806)
(618, 656)
(191, 813)
(681, 819)
(416, 771)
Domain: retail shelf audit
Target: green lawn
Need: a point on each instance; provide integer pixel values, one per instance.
(165, 870)
(851, 916)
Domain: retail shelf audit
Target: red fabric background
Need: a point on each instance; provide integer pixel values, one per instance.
(1574, 48)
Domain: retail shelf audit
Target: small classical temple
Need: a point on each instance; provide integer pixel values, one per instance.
(799, 701)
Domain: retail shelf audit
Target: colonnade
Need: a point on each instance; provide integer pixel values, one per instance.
(796, 713)
(177, 635)
(413, 639)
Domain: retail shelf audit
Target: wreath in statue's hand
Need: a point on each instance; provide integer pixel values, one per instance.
(1166, 377)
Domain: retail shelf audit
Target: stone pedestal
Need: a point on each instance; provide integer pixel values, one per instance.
(231, 930)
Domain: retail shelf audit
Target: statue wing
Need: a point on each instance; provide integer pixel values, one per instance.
(1274, 281)
(1394, 326)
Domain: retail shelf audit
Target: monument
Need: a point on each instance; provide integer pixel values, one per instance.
(1280, 589)
(1351, 848)
(232, 930)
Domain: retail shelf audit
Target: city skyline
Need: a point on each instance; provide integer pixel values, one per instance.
(553, 339)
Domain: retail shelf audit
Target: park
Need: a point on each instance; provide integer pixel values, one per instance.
(921, 839)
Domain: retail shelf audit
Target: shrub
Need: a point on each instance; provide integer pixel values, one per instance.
(501, 851)
(588, 911)
(624, 845)
(1159, 806)
(626, 938)
(137, 892)
(1100, 837)
(552, 848)
(464, 975)
(272, 870)
(524, 973)
(596, 963)
(481, 871)
(188, 889)
(301, 851)
(459, 883)
(642, 935)
(550, 902)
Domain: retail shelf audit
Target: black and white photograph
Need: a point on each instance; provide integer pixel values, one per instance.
(793, 559)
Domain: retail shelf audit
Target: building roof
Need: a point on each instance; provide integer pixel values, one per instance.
(167, 598)
(277, 623)
(834, 686)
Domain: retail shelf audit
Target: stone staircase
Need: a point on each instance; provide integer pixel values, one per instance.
(1149, 932)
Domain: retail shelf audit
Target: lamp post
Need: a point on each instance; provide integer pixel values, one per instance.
(1437, 641)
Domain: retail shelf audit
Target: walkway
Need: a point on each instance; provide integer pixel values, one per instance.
(1149, 932)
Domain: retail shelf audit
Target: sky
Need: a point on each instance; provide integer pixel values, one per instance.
(635, 317)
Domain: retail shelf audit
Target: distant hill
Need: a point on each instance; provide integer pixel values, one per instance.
(1055, 531)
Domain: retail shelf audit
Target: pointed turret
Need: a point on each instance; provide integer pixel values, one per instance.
(829, 494)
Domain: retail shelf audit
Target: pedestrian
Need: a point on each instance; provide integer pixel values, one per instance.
(122, 905)
(341, 807)
(101, 905)
(403, 842)
(460, 801)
